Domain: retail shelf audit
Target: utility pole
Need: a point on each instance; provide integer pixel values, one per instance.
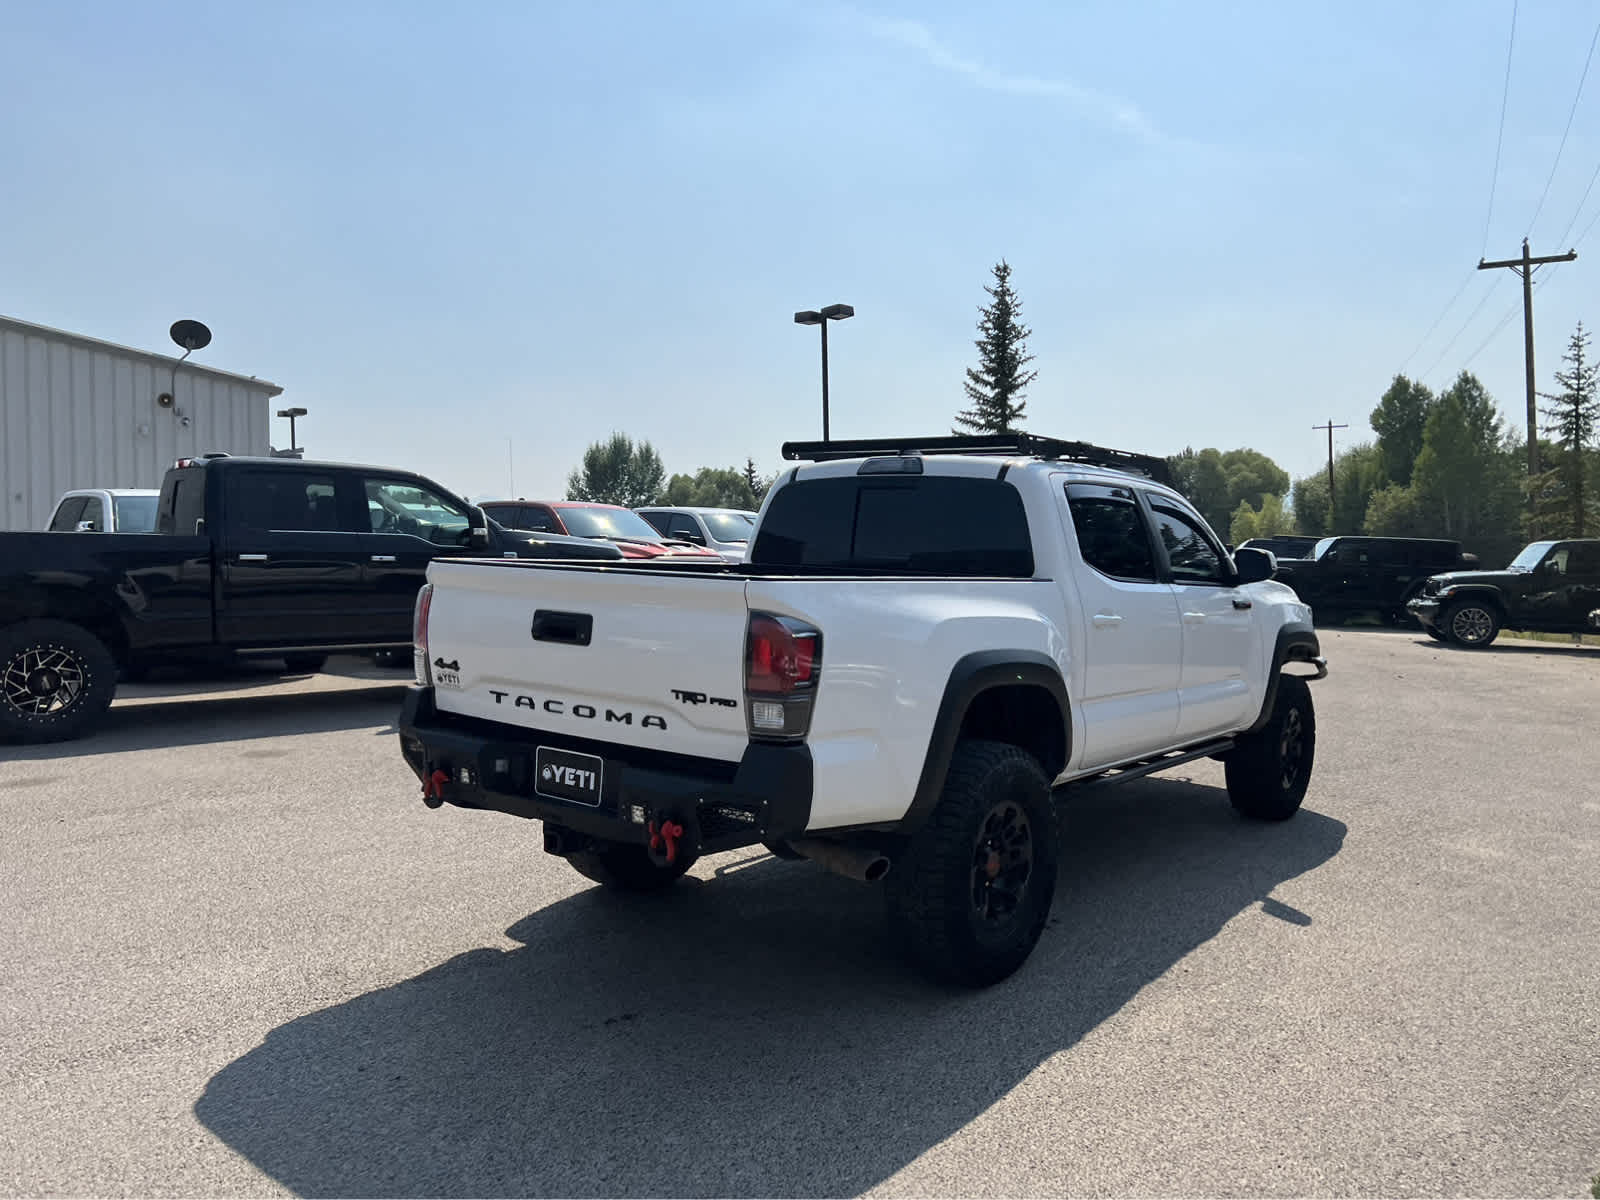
(1333, 516)
(1524, 267)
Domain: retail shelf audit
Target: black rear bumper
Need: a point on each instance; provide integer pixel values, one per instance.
(765, 796)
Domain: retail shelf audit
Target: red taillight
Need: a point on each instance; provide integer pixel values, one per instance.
(781, 659)
(419, 634)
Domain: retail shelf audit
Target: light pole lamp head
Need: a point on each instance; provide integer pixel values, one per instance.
(838, 312)
(809, 317)
(291, 412)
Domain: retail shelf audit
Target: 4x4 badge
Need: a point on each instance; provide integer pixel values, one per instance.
(452, 665)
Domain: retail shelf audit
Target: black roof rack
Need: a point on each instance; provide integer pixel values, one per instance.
(1026, 444)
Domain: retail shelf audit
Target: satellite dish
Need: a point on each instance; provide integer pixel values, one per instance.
(191, 335)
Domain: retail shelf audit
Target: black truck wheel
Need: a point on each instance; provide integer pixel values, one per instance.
(56, 681)
(970, 894)
(1269, 770)
(624, 867)
(1471, 623)
(304, 664)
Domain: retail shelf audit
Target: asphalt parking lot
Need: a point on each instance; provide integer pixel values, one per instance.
(243, 958)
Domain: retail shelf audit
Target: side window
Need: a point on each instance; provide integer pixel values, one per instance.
(537, 520)
(188, 503)
(94, 509)
(402, 506)
(683, 525)
(282, 502)
(658, 521)
(1111, 532)
(1584, 560)
(1193, 556)
(66, 518)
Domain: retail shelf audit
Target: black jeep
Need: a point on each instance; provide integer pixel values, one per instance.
(1347, 575)
(1552, 587)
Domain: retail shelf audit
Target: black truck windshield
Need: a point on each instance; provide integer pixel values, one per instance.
(935, 525)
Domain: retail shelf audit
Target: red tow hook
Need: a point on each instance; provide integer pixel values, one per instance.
(433, 789)
(665, 838)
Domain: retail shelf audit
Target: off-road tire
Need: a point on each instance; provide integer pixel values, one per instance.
(625, 867)
(942, 896)
(1473, 624)
(304, 664)
(35, 654)
(1269, 770)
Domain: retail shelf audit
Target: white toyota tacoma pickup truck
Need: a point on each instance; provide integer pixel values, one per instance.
(929, 638)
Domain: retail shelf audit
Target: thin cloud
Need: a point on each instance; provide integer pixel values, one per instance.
(914, 35)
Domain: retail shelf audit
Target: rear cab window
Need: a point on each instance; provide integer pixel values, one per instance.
(924, 524)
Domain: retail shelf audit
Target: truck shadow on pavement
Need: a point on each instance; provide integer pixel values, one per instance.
(757, 1033)
(207, 721)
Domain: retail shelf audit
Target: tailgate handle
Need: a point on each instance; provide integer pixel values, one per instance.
(573, 629)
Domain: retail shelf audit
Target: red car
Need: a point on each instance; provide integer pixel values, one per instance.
(630, 532)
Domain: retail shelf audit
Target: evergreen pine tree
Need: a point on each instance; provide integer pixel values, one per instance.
(1573, 414)
(996, 385)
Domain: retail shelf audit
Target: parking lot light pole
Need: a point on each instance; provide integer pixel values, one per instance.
(834, 312)
(292, 413)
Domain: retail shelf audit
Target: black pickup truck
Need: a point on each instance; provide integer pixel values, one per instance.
(251, 558)
(1346, 575)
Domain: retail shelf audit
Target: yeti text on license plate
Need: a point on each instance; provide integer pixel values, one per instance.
(563, 775)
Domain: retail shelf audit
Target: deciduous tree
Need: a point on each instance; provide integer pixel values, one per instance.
(616, 471)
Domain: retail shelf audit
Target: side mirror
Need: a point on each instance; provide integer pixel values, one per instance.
(697, 538)
(478, 535)
(1255, 566)
(87, 527)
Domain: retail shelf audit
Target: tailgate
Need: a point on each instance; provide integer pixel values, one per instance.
(640, 657)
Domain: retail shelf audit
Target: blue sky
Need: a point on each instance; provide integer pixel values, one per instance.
(443, 227)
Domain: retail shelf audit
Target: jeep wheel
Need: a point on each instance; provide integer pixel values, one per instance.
(624, 867)
(970, 894)
(1472, 623)
(1269, 770)
(56, 680)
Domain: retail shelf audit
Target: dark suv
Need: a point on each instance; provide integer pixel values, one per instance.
(1553, 587)
(1347, 575)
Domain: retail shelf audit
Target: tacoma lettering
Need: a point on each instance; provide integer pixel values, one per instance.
(582, 712)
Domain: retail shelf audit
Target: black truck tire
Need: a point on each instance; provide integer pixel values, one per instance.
(625, 867)
(304, 664)
(970, 894)
(1269, 770)
(56, 681)
(1471, 623)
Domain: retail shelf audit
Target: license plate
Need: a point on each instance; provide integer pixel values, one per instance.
(563, 775)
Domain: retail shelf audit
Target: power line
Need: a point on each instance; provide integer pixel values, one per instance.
(1451, 303)
(1571, 113)
(1577, 212)
(1505, 92)
(1457, 336)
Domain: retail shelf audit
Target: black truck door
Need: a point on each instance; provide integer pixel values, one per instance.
(291, 566)
(409, 525)
(1580, 591)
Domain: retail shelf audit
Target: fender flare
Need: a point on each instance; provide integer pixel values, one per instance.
(1296, 642)
(971, 676)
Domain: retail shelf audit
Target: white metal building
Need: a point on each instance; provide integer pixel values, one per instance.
(81, 413)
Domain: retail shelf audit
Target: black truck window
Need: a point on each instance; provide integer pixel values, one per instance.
(938, 525)
(282, 502)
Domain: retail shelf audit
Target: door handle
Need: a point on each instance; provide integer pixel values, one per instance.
(252, 558)
(1106, 620)
(1194, 618)
(383, 558)
(1241, 605)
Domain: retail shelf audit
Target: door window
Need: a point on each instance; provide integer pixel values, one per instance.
(94, 510)
(1192, 556)
(407, 507)
(1111, 532)
(1584, 560)
(283, 502)
(535, 519)
(658, 520)
(682, 525)
(66, 518)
